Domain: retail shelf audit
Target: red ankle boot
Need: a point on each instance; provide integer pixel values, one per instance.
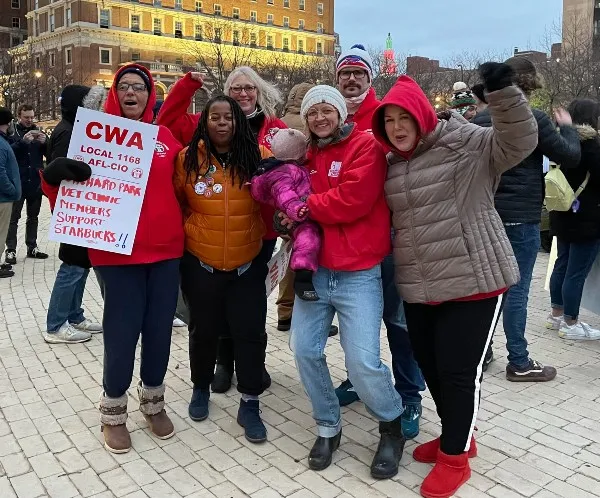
(427, 453)
(448, 475)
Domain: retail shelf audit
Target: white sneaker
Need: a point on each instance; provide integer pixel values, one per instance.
(580, 331)
(554, 322)
(88, 326)
(67, 335)
(179, 323)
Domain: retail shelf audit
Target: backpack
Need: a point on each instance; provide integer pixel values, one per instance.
(559, 194)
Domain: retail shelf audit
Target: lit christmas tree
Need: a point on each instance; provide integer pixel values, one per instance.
(390, 67)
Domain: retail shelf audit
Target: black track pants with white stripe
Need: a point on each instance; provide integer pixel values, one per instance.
(449, 341)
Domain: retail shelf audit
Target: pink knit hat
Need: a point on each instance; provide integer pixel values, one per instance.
(289, 145)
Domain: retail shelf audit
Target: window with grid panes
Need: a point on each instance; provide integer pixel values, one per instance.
(104, 18)
(135, 23)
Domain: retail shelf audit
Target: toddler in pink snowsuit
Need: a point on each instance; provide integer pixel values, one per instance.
(283, 182)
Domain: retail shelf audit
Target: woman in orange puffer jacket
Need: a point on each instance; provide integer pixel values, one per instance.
(222, 283)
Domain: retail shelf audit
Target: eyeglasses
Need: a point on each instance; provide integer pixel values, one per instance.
(358, 74)
(239, 89)
(137, 87)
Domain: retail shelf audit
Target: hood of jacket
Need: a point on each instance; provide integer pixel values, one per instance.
(112, 105)
(586, 132)
(75, 96)
(295, 98)
(406, 93)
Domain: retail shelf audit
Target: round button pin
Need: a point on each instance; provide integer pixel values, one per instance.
(200, 188)
(218, 188)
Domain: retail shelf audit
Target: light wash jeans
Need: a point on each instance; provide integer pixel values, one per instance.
(358, 300)
(66, 297)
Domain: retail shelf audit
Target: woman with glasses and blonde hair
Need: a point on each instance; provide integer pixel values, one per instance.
(258, 100)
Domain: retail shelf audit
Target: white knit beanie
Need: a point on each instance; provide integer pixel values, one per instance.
(324, 94)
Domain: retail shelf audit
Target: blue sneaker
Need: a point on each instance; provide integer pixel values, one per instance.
(249, 418)
(346, 393)
(410, 420)
(198, 409)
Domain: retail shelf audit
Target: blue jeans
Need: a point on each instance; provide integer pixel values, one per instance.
(357, 298)
(525, 241)
(66, 298)
(573, 264)
(407, 374)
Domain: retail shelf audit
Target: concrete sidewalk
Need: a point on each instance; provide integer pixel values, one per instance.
(537, 441)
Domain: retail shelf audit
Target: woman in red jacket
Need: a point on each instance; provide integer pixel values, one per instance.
(347, 169)
(258, 100)
(141, 289)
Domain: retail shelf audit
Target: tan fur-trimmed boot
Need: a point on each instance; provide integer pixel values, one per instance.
(113, 416)
(152, 405)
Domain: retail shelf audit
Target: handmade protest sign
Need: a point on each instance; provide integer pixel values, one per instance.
(103, 212)
(278, 266)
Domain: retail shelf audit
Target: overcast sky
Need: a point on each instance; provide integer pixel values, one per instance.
(440, 28)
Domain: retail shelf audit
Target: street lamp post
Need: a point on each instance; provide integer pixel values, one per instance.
(462, 72)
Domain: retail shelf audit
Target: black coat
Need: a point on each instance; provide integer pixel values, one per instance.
(584, 225)
(30, 157)
(520, 194)
(58, 146)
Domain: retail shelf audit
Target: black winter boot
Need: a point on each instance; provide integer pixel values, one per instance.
(389, 452)
(303, 286)
(321, 453)
(222, 380)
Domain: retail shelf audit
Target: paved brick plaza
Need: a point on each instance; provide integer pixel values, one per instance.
(537, 441)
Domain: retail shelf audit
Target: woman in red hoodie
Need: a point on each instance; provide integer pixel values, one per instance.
(258, 100)
(453, 261)
(141, 289)
(347, 171)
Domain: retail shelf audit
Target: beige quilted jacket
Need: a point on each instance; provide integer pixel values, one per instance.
(449, 240)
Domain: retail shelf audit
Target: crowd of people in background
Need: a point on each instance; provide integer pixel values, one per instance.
(428, 221)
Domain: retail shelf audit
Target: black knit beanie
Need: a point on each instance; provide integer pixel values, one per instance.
(5, 116)
(139, 72)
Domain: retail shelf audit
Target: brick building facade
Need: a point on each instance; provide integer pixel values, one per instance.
(82, 41)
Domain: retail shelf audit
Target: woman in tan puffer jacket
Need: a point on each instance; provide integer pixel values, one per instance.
(452, 256)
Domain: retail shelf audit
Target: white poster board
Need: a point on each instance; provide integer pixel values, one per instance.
(103, 212)
(278, 266)
(590, 299)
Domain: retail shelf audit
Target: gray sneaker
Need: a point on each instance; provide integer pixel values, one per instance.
(88, 326)
(67, 335)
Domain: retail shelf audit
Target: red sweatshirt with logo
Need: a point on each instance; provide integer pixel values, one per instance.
(348, 202)
(159, 234)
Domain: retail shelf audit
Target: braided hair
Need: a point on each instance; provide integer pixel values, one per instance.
(244, 153)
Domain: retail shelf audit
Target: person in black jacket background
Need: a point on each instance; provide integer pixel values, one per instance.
(29, 145)
(519, 201)
(577, 230)
(66, 322)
